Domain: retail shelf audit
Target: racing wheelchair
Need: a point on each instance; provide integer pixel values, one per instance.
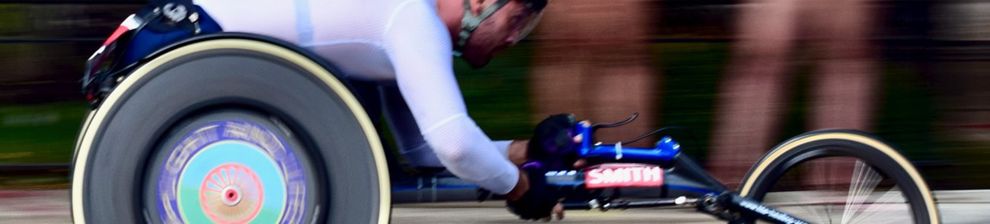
(233, 128)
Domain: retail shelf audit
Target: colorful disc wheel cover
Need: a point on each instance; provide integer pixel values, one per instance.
(231, 171)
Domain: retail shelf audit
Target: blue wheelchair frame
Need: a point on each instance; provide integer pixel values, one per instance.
(705, 192)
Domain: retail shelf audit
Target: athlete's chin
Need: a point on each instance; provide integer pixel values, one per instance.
(478, 61)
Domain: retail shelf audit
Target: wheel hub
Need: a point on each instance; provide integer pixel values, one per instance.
(231, 196)
(231, 171)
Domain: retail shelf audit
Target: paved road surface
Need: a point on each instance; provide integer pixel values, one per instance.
(51, 206)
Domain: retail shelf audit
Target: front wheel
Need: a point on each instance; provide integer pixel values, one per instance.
(841, 177)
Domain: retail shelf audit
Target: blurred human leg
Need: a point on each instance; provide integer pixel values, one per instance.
(751, 95)
(592, 59)
(844, 86)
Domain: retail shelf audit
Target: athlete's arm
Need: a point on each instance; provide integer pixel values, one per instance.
(420, 51)
(516, 152)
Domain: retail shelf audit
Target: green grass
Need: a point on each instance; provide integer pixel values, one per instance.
(39, 133)
(906, 113)
(691, 72)
(497, 96)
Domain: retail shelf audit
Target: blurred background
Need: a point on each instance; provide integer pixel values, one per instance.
(742, 75)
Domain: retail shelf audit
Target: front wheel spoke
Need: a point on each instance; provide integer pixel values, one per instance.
(885, 209)
(817, 205)
(813, 210)
(864, 181)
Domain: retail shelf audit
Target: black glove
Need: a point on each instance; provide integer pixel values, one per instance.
(552, 143)
(551, 148)
(538, 202)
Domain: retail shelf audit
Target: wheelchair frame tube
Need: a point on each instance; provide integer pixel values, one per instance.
(666, 155)
(661, 155)
(755, 209)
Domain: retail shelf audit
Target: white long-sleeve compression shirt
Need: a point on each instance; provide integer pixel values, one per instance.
(386, 40)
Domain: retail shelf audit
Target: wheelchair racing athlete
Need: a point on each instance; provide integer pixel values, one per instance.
(398, 55)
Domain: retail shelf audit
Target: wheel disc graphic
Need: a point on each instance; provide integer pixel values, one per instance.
(231, 171)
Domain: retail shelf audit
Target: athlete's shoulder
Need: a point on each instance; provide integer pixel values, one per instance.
(415, 15)
(414, 9)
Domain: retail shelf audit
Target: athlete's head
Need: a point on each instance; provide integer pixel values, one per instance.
(489, 26)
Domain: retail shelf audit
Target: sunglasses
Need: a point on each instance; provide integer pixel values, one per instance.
(524, 23)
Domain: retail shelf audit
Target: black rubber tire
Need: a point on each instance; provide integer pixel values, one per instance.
(120, 136)
(843, 143)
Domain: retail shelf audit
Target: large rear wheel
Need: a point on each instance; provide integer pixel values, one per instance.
(230, 130)
(864, 181)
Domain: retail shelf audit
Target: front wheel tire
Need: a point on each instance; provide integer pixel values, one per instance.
(866, 181)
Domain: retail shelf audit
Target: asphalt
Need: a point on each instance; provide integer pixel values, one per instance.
(52, 206)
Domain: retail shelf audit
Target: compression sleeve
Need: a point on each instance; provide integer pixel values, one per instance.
(419, 48)
(503, 146)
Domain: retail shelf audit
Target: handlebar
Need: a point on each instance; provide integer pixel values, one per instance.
(665, 154)
(662, 154)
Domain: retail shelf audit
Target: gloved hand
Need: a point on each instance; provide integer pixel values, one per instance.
(552, 147)
(553, 144)
(539, 201)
